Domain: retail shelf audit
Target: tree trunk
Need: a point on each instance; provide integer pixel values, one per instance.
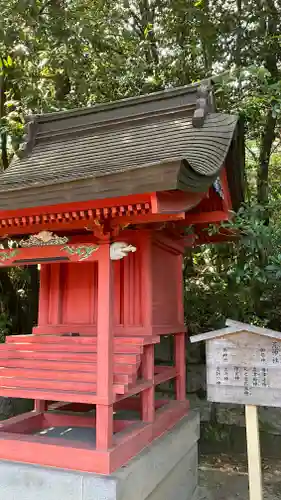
(272, 54)
(147, 20)
(267, 140)
(205, 41)
(3, 134)
(239, 45)
(144, 21)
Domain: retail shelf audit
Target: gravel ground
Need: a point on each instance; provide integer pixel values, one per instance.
(225, 478)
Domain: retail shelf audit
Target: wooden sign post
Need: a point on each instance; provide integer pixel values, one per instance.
(244, 366)
(253, 450)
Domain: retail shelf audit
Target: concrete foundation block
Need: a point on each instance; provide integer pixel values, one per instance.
(202, 494)
(163, 471)
(182, 480)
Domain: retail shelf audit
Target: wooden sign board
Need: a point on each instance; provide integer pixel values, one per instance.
(243, 365)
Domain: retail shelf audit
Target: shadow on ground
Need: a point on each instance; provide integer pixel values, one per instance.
(225, 478)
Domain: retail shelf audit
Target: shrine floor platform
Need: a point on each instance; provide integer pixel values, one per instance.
(83, 434)
(167, 469)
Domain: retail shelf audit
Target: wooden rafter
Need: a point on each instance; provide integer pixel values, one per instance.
(69, 220)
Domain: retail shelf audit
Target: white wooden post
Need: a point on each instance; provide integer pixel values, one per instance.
(254, 454)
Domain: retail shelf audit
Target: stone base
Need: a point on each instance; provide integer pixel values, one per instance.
(201, 494)
(165, 470)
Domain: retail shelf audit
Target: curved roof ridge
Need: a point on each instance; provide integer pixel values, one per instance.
(167, 93)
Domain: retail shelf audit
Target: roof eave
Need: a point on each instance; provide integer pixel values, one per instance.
(159, 177)
(235, 327)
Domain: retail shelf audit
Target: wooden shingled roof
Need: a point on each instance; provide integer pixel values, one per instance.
(168, 140)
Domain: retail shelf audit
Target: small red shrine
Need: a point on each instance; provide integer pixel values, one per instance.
(101, 198)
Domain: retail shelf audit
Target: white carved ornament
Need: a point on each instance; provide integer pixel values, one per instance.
(119, 250)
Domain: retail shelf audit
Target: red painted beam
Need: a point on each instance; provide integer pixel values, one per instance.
(139, 387)
(147, 218)
(24, 423)
(164, 373)
(83, 205)
(73, 407)
(53, 253)
(53, 226)
(206, 217)
(51, 452)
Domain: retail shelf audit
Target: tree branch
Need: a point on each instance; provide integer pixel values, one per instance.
(3, 134)
(255, 157)
(275, 147)
(271, 64)
(267, 140)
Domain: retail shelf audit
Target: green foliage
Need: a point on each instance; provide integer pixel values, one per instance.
(216, 433)
(241, 279)
(61, 54)
(5, 326)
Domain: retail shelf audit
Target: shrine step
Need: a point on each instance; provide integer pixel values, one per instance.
(57, 385)
(50, 395)
(64, 368)
(16, 352)
(118, 347)
(81, 340)
(118, 368)
(65, 375)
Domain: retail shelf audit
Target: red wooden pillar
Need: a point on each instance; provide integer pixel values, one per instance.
(179, 340)
(179, 354)
(104, 411)
(147, 366)
(43, 314)
(147, 277)
(40, 406)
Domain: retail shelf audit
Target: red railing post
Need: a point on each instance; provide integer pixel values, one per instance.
(148, 395)
(40, 406)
